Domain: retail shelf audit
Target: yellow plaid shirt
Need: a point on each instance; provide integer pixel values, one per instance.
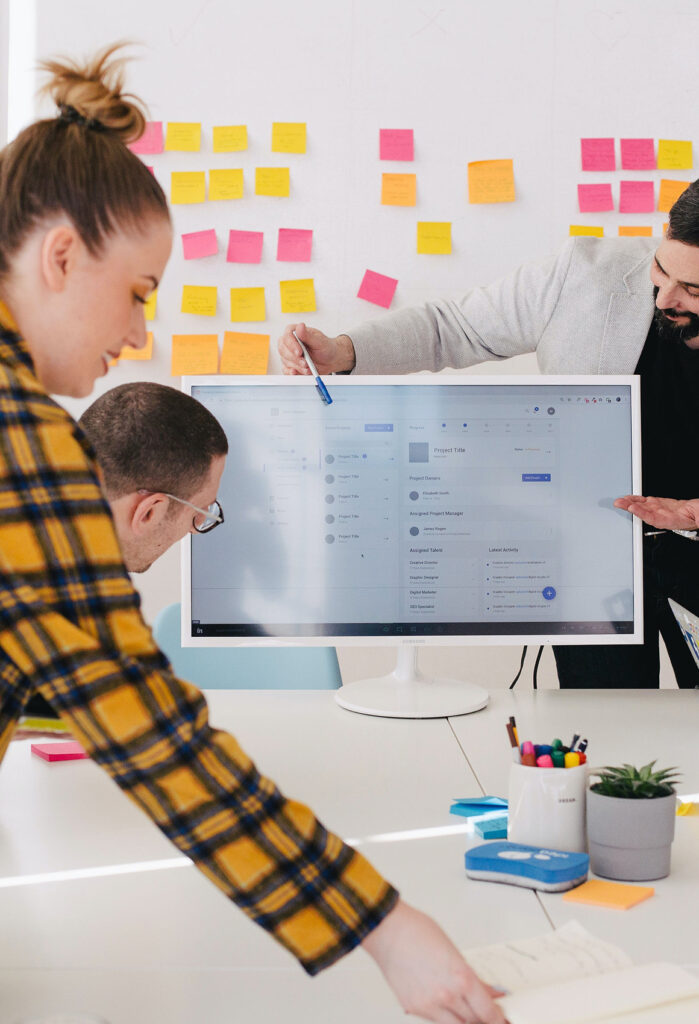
(70, 628)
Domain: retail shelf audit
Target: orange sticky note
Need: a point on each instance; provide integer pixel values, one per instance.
(288, 137)
(670, 192)
(491, 181)
(194, 353)
(272, 181)
(247, 304)
(151, 303)
(674, 155)
(398, 189)
(629, 231)
(298, 296)
(609, 894)
(226, 183)
(230, 138)
(244, 353)
(183, 137)
(434, 237)
(129, 352)
(187, 187)
(586, 229)
(199, 299)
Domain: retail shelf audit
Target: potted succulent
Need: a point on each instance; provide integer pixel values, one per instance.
(631, 822)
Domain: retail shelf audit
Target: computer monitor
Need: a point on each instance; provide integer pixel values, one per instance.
(441, 509)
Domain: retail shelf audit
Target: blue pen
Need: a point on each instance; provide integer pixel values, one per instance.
(320, 387)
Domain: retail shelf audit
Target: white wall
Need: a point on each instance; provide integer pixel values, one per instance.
(474, 81)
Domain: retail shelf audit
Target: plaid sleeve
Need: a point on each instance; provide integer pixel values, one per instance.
(70, 626)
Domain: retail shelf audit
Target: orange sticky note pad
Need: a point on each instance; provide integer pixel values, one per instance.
(628, 231)
(183, 137)
(272, 181)
(398, 189)
(129, 352)
(244, 353)
(491, 181)
(586, 229)
(670, 192)
(230, 138)
(298, 296)
(609, 894)
(194, 353)
(69, 751)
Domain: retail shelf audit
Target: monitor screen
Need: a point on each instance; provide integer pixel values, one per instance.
(436, 508)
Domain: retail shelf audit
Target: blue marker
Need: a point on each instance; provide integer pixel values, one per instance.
(320, 387)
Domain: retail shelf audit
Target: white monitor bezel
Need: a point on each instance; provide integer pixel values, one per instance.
(446, 379)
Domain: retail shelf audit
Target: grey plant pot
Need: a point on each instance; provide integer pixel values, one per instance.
(630, 840)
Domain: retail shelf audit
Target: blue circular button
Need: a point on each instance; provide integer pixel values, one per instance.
(549, 593)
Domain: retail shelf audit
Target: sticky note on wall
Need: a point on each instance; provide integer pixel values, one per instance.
(150, 305)
(194, 353)
(230, 138)
(288, 137)
(244, 353)
(198, 244)
(674, 155)
(294, 245)
(636, 197)
(151, 141)
(595, 198)
(628, 231)
(597, 154)
(183, 137)
(396, 144)
(298, 296)
(245, 246)
(377, 288)
(199, 299)
(226, 183)
(434, 237)
(187, 187)
(637, 155)
(398, 189)
(139, 354)
(586, 229)
(247, 304)
(670, 192)
(272, 181)
(491, 181)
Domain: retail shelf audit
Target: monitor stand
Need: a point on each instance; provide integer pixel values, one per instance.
(407, 693)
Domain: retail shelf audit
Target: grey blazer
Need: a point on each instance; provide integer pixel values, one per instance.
(585, 310)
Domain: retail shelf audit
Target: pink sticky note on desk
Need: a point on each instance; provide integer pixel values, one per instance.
(151, 141)
(597, 154)
(377, 288)
(197, 244)
(637, 155)
(396, 144)
(68, 751)
(294, 245)
(592, 198)
(636, 197)
(245, 246)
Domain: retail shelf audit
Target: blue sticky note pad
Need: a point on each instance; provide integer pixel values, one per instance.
(492, 828)
(471, 807)
(534, 867)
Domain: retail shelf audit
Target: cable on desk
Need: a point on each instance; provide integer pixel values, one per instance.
(521, 666)
(536, 666)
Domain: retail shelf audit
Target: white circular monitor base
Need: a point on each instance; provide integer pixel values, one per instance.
(390, 697)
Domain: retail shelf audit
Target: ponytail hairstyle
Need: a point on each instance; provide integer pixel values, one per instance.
(78, 163)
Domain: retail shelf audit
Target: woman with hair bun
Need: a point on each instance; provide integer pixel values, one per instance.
(85, 236)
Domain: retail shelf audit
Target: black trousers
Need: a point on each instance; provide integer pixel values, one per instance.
(670, 569)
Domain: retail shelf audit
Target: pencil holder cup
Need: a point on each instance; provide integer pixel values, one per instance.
(547, 807)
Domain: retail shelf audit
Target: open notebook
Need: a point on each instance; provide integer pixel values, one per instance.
(570, 977)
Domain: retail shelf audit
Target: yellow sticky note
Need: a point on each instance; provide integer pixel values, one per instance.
(244, 353)
(226, 184)
(491, 181)
(183, 136)
(271, 181)
(150, 304)
(194, 353)
(434, 237)
(247, 304)
(298, 296)
(674, 155)
(629, 231)
(129, 352)
(187, 187)
(609, 894)
(669, 192)
(687, 810)
(586, 229)
(398, 189)
(230, 138)
(199, 299)
(288, 137)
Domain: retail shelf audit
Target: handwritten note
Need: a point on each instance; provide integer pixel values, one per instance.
(230, 138)
(674, 155)
(298, 296)
(244, 353)
(627, 231)
(396, 144)
(139, 354)
(247, 304)
(294, 245)
(491, 181)
(586, 229)
(636, 197)
(595, 198)
(187, 187)
(199, 299)
(245, 246)
(272, 181)
(194, 353)
(434, 237)
(637, 155)
(226, 184)
(151, 141)
(288, 137)
(197, 244)
(183, 137)
(670, 192)
(150, 305)
(398, 189)
(597, 154)
(377, 288)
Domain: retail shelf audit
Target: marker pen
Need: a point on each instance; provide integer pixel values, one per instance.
(320, 386)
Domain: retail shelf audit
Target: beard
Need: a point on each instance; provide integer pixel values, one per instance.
(669, 330)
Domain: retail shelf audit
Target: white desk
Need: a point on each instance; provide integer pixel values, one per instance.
(167, 946)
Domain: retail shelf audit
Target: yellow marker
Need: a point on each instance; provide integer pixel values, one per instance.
(434, 237)
(586, 229)
(183, 137)
(187, 186)
(244, 353)
(226, 184)
(674, 155)
(670, 192)
(272, 181)
(288, 137)
(248, 304)
(398, 189)
(199, 299)
(230, 138)
(572, 760)
(298, 296)
(194, 353)
(129, 352)
(491, 181)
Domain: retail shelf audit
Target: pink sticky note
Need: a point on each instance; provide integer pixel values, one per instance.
(593, 198)
(199, 243)
(245, 246)
(151, 141)
(68, 751)
(636, 197)
(152, 170)
(294, 245)
(638, 155)
(377, 288)
(597, 154)
(396, 144)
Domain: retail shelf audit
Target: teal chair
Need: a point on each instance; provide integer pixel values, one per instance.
(246, 668)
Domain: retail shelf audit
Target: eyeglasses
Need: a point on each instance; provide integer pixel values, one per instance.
(206, 519)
